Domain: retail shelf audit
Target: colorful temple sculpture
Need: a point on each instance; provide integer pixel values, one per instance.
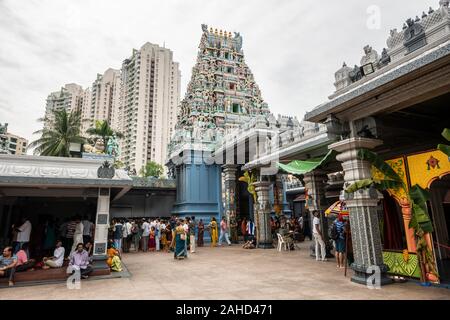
(222, 99)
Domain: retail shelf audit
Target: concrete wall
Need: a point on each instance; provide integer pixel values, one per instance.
(144, 204)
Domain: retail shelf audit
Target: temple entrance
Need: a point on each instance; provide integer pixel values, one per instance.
(392, 228)
(439, 205)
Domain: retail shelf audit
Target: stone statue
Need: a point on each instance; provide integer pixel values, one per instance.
(371, 56)
(238, 39)
(205, 28)
(3, 128)
(99, 146)
(112, 147)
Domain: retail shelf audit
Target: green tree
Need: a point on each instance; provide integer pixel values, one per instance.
(152, 169)
(104, 131)
(59, 133)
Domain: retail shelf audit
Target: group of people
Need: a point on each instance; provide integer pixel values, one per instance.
(74, 233)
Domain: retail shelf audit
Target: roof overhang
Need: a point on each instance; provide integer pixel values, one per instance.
(417, 77)
(58, 173)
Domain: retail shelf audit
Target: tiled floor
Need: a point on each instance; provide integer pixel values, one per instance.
(228, 273)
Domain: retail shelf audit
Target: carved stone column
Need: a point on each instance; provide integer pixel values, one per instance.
(230, 198)
(262, 214)
(362, 205)
(315, 185)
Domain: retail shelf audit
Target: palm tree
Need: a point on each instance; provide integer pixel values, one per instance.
(103, 130)
(57, 136)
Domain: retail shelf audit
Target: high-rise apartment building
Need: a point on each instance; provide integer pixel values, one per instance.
(69, 97)
(11, 143)
(102, 100)
(150, 97)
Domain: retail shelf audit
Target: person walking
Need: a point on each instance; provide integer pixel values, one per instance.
(192, 234)
(214, 231)
(340, 241)
(224, 232)
(318, 237)
(179, 241)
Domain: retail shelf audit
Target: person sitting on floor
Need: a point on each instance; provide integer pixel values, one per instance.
(111, 252)
(58, 257)
(116, 264)
(23, 263)
(79, 261)
(8, 263)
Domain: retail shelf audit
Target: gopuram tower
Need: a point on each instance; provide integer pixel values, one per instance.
(221, 97)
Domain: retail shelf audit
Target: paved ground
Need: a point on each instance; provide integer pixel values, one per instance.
(228, 273)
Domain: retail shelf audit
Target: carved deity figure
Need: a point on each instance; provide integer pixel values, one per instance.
(371, 56)
(238, 40)
(112, 147)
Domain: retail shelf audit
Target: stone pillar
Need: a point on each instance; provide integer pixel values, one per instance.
(362, 205)
(315, 185)
(101, 229)
(262, 215)
(229, 171)
(280, 199)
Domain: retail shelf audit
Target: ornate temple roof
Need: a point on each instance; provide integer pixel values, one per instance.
(422, 42)
(222, 94)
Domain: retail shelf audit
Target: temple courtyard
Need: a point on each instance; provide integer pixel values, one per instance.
(227, 273)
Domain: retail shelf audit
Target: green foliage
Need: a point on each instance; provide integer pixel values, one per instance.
(379, 163)
(250, 178)
(152, 169)
(443, 147)
(59, 133)
(358, 185)
(103, 130)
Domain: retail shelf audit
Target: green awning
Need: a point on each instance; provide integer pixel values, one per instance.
(305, 166)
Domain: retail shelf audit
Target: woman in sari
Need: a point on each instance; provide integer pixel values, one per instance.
(165, 247)
(214, 232)
(179, 242)
(151, 240)
(201, 230)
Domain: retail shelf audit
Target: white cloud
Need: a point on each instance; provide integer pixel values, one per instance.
(293, 47)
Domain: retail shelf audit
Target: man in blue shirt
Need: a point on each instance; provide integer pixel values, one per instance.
(340, 241)
(7, 265)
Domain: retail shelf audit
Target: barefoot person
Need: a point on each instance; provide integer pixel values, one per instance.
(57, 260)
(79, 260)
(7, 265)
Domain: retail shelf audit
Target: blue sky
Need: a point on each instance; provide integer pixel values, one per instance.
(293, 47)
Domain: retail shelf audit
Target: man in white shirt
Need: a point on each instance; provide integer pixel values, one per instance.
(78, 234)
(23, 235)
(87, 230)
(126, 236)
(58, 257)
(145, 234)
(318, 237)
(157, 234)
